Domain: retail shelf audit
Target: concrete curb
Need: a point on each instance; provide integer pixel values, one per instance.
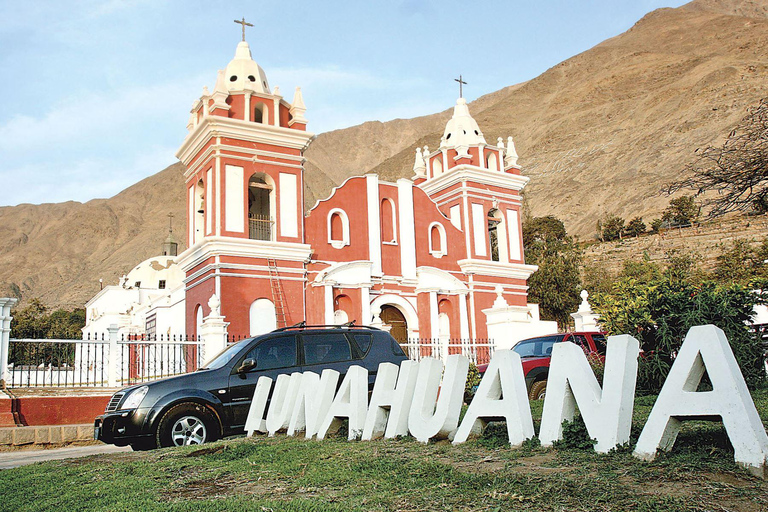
(41, 436)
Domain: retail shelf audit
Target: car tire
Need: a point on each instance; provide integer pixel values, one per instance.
(186, 424)
(538, 390)
(144, 444)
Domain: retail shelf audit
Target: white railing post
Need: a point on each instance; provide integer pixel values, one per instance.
(5, 337)
(112, 356)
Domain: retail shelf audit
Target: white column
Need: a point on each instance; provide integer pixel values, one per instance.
(328, 304)
(407, 228)
(434, 323)
(112, 355)
(247, 113)
(374, 222)
(463, 317)
(365, 299)
(5, 336)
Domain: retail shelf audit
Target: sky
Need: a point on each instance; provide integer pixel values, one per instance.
(97, 93)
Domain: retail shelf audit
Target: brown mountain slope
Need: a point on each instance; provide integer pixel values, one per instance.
(599, 133)
(58, 252)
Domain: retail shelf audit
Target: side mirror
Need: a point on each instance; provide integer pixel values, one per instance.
(247, 365)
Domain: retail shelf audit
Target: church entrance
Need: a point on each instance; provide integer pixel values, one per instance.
(392, 316)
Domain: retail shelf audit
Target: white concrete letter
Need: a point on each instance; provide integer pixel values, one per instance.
(607, 413)
(427, 419)
(281, 405)
(255, 421)
(313, 401)
(501, 395)
(706, 348)
(391, 401)
(351, 402)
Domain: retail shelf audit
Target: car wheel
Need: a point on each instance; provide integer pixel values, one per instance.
(538, 390)
(186, 424)
(141, 445)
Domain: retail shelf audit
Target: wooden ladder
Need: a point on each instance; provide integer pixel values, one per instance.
(278, 297)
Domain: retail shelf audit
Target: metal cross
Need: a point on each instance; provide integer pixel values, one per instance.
(244, 24)
(170, 222)
(461, 84)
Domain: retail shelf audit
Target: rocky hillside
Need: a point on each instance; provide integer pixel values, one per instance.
(600, 133)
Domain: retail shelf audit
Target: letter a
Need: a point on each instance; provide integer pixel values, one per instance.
(607, 413)
(706, 348)
(501, 395)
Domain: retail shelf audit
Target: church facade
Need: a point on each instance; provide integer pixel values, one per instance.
(426, 255)
(438, 255)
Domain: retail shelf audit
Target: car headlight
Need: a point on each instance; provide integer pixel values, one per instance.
(135, 397)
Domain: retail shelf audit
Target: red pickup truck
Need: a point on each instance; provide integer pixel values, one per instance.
(536, 353)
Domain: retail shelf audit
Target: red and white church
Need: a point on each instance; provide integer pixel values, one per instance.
(436, 255)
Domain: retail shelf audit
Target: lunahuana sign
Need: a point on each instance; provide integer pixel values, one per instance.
(410, 399)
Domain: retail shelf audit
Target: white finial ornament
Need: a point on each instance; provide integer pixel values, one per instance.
(276, 90)
(215, 305)
(500, 302)
(298, 108)
(419, 166)
(511, 159)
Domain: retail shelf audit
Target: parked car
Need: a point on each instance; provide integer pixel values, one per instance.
(213, 402)
(537, 352)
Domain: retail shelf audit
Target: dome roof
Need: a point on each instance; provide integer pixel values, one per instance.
(462, 130)
(243, 73)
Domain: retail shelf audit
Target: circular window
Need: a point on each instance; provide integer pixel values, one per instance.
(448, 137)
(476, 132)
(232, 78)
(251, 78)
(265, 85)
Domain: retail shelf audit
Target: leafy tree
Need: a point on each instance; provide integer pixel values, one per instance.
(612, 228)
(596, 279)
(660, 313)
(742, 263)
(636, 227)
(644, 271)
(737, 171)
(556, 285)
(682, 211)
(35, 322)
(657, 225)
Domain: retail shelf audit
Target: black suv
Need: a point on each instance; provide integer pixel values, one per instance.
(213, 402)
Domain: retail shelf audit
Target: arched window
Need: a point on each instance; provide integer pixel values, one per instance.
(259, 113)
(388, 221)
(497, 236)
(437, 165)
(262, 317)
(342, 305)
(445, 313)
(491, 162)
(338, 228)
(438, 246)
(199, 210)
(261, 206)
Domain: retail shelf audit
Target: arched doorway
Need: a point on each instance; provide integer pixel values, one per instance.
(392, 317)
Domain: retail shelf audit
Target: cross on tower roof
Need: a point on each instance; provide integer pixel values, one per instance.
(244, 24)
(170, 222)
(461, 84)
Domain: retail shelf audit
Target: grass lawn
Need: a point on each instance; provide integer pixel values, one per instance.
(283, 474)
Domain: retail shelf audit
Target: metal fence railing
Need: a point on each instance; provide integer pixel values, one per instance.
(99, 362)
(479, 351)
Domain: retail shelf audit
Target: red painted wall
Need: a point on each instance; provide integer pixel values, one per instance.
(60, 410)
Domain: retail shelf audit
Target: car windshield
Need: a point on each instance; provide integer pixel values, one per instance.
(536, 347)
(225, 356)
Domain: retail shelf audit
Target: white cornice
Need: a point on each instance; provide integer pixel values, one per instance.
(497, 269)
(462, 173)
(217, 126)
(241, 247)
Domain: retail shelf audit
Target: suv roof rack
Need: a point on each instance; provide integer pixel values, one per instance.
(348, 325)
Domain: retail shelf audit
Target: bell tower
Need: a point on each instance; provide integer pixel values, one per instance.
(244, 154)
(477, 186)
